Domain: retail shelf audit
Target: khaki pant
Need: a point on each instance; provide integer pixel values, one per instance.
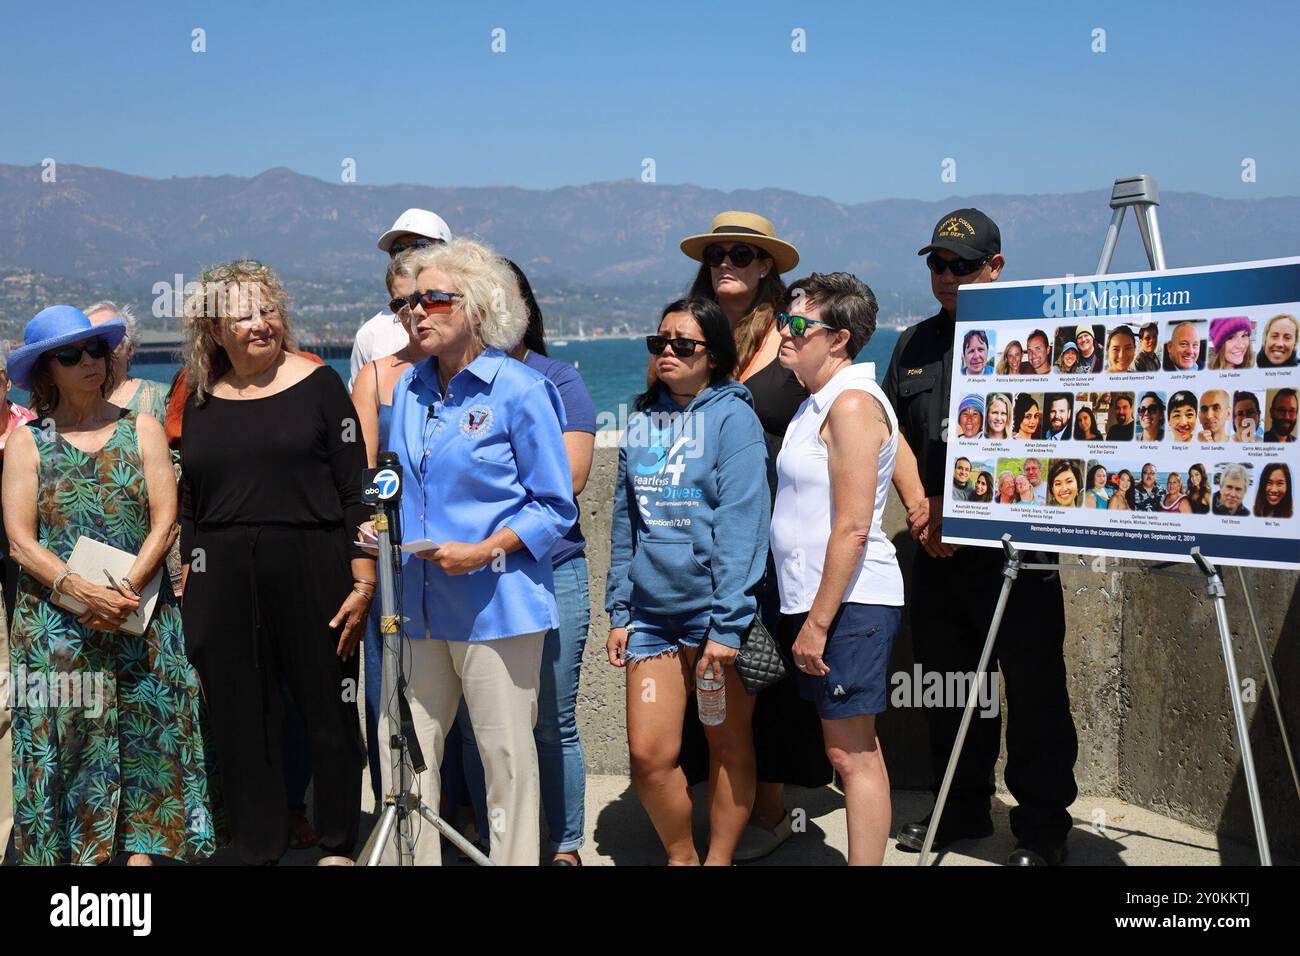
(499, 681)
(7, 694)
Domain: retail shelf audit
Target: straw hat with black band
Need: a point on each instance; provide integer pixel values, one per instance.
(746, 227)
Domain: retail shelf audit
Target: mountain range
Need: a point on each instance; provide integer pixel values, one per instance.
(605, 252)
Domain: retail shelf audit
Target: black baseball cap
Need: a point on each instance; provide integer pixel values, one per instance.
(968, 233)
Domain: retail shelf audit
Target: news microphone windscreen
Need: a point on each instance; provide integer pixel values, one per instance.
(388, 459)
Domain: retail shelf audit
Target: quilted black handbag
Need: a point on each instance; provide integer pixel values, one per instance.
(759, 662)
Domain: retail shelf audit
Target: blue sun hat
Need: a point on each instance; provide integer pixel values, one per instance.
(53, 328)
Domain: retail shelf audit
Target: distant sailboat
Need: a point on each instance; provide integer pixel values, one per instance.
(561, 343)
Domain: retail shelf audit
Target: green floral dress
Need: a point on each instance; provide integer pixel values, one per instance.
(151, 398)
(109, 755)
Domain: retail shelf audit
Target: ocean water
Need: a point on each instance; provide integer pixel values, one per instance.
(613, 369)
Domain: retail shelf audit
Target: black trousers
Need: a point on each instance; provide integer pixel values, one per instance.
(952, 603)
(257, 624)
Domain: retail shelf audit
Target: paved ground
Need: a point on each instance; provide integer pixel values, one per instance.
(619, 833)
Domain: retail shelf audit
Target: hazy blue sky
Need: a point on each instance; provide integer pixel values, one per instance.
(710, 90)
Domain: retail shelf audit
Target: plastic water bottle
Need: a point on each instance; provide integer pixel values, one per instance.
(710, 698)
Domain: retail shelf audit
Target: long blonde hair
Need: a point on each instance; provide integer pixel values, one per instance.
(205, 307)
(1004, 367)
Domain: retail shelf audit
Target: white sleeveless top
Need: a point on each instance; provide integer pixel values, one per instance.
(801, 517)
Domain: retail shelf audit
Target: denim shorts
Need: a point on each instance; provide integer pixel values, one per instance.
(858, 644)
(650, 635)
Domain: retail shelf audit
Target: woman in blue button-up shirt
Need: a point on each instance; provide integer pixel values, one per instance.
(480, 440)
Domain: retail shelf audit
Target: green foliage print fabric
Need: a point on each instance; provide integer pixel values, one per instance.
(109, 755)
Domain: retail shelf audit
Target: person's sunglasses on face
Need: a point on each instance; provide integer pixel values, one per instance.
(958, 267)
(740, 255)
(70, 355)
(682, 347)
(432, 301)
(798, 324)
(415, 242)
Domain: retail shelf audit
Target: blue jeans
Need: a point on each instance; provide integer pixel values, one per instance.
(559, 749)
(650, 635)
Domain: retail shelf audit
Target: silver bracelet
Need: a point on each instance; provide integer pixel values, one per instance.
(59, 580)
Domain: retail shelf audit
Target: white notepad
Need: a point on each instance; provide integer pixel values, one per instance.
(90, 559)
(411, 547)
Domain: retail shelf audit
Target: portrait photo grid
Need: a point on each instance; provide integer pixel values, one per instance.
(1111, 433)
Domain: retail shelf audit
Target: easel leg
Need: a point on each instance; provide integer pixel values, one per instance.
(1216, 592)
(1271, 677)
(1010, 571)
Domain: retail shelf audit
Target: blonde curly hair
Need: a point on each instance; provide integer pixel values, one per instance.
(205, 308)
(490, 294)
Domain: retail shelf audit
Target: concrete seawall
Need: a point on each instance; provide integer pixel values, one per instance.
(1147, 686)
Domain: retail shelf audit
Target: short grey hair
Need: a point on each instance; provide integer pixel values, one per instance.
(491, 299)
(846, 302)
(128, 318)
(1235, 471)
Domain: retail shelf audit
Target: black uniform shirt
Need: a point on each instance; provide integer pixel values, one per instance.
(919, 386)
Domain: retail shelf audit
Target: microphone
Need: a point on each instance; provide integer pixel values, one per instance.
(383, 486)
(388, 459)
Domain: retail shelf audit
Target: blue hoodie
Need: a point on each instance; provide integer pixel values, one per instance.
(696, 539)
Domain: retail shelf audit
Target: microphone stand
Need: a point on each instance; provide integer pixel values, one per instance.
(383, 488)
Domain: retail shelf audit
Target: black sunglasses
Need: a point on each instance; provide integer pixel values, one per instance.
(740, 255)
(70, 355)
(682, 346)
(958, 267)
(401, 245)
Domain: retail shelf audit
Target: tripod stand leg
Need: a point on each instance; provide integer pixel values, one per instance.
(1010, 571)
(452, 834)
(1214, 588)
(379, 836)
(1271, 677)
